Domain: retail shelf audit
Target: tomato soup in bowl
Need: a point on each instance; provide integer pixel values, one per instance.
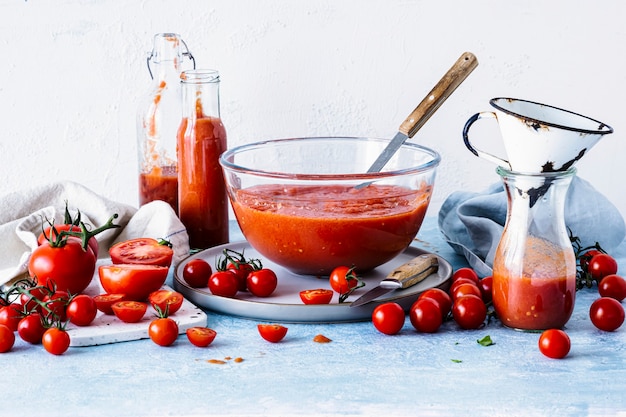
(309, 205)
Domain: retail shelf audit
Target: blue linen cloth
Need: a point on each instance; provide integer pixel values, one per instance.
(472, 222)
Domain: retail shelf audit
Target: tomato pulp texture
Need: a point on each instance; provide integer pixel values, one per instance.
(161, 183)
(203, 204)
(541, 294)
(312, 229)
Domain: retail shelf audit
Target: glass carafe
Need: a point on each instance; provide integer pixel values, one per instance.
(534, 271)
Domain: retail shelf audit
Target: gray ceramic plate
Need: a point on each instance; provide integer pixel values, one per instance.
(284, 305)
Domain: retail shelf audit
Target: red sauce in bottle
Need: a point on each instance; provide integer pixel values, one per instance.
(161, 183)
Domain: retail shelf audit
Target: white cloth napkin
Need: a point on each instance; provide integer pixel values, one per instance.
(472, 223)
(22, 214)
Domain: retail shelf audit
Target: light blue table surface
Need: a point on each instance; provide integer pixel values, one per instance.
(361, 372)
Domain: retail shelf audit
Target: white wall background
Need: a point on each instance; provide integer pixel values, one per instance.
(72, 73)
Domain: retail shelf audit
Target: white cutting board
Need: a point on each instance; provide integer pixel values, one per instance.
(109, 329)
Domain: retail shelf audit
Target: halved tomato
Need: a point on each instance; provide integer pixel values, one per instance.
(142, 251)
(201, 336)
(129, 311)
(316, 296)
(136, 282)
(166, 300)
(104, 302)
(272, 332)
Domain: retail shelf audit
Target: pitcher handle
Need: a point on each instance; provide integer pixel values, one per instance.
(478, 152)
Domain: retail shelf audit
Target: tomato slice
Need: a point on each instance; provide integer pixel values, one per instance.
(142, 251)
(272, 332)
(316, 296)
(166, 300)
(201, 336)
(104, 302)
(129, 311)
(136, 282)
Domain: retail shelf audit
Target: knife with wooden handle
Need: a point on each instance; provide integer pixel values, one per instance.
(405, 276)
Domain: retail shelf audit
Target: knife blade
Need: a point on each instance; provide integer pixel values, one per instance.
(440, 92)
(405, 276)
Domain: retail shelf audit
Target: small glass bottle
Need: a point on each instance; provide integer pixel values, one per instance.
(202, 199)
(534, 270)
(158, 119)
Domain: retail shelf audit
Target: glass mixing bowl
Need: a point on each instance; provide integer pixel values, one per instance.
(308, 204)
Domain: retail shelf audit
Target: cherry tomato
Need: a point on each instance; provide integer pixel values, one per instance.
(262, 282)
(223, 283)
(197, 273)
(44, 236)
(7, 338)
(129, 311)
(442, 299)
(163, 331)
(272, 332)
(69, 267)
(30, 328)
(136, 282)
(343, 279)
(426, 315)
(388, 318)
(10, 315)
(469, 311)
(57, 303)
(201, 336)
(27, 299)
(606, 314)
(460, 281)
(56, 341)
(486, 289)
(167, 301)
(586, 257)
(82, 310)
(602, 265)
(554, 343)
(142, 251)
(104, 302)
(465, 289)
(613, 286)
(316, 296)
(241, 270)
(465, 273)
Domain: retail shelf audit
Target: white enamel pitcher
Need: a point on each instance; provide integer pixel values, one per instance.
(538, 138)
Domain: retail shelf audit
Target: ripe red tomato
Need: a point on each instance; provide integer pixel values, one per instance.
(465, 289)
(316, 296)
(469, 311)
(136, 282)
(201, 336)
(56, 341)
(142, 251)
(442, 299)
(10, 315)
(82, 310)
(486, 289)
(606, 314)
(586, 257)
(57, 303)
(44, 236)
(241, 270)
(554, 343)
(30, 328)
(262, 282)
(388, 318)
(7, 338)
(69, 267)
(465, 273)
(167, 301)
(613, 286)
(104, 302)
(129, 311)
(426, 315)
(343, 279)
(272, 332)
(163, 331)
(223, 283)
(460, 281)
(602, 265)
(197, 272)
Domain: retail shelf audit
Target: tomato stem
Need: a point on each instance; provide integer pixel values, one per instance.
(84, 235)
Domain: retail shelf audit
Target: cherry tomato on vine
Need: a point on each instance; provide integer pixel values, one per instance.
(586, 257)
(272, 332)
(163, 331)
(242, 271)
(57, 303)
(426, 315)
(81, 310)
(142, 251)
(10, 315)
(166, 301)
(56, 341)
(602, 265)
(58, 228)
(316, 296)
(27, 299)
(344, 280)
(606, 314)
(442, 299)
(554, 343)
(613, 286)
(7, 338)
(129, 311)
(223, 283)
(30, 328)
(201, 336)
(465, 273)
(262, 282)
(469, 311)
(197, 273)
(104, 302)
(388, 318)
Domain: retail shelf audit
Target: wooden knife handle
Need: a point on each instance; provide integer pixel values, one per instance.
(414, 271)
(440, 92)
